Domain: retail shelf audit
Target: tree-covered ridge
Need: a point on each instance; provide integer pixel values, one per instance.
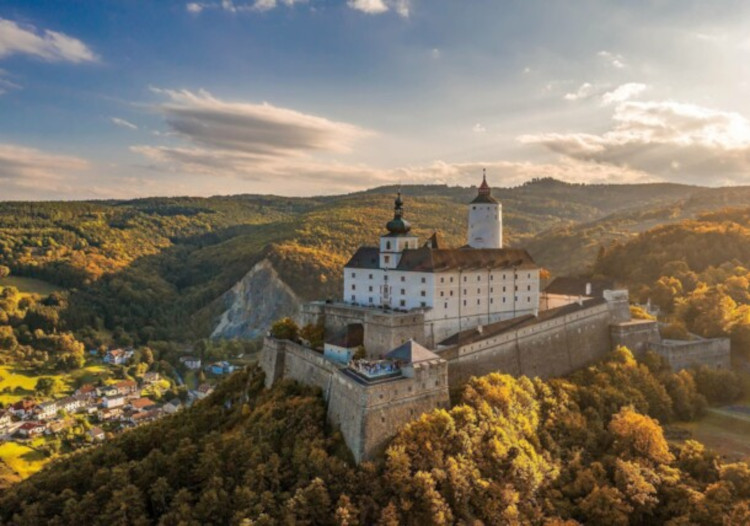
(696, 271)
(588, 449)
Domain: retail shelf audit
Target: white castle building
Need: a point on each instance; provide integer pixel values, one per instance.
(455, 288)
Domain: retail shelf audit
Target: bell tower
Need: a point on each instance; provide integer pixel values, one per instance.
(485, 219)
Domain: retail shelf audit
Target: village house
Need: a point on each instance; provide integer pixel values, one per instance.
(56, 426)
(191, 362)
(219, 368)
(46, 410)
(23, 408)
(113, 413)
(118, 356)
(96, 434)
(143, 416)
(6, 417)
(151, 377)
(108, 402)
(203, 391)
(31, 429)
(172, 406)
(141, 404)
(127, 387)
(86, 391)
(70, 404)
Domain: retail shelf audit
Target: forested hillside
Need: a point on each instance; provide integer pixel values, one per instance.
(697, 272)
(590, 448)
(154, 269)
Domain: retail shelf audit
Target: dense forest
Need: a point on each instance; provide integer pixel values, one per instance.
(155, 269)
(587, 449)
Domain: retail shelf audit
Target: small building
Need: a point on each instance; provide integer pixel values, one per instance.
(109, 414)
(70, 404)
(86, 391)
(191, 362)
(96, 434)
(343, 345)
(46, 410)
(118, 356)
(172, 406)
(220, 368)
(23, 408)
(56, 426)
(144, 416)
(142, 404)
(203, 391)
(151, 377)
(6, 417)
(109, 390)
(31, 429)
(108, 402)
(127, 387)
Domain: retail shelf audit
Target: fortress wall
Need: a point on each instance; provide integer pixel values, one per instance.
(551, 348)
(272, 360)
(384, 332)
(684, 354)
(308, 367)
(636, 335)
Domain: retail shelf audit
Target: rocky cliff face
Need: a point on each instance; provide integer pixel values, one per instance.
(255, 302)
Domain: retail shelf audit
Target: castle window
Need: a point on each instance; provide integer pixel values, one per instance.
(464, 291)
(370, 276)
(464, 279)
(528, 287)
(370, 299)
(516, 288)
(445, 306)
(479, 291)
(422, 303)
(370, 287)
(528, 298)
(382, 419)
(479, 302)
(423, 293)
(424, 280)
(503, 300)
(402, 303)
(473, 207)
(464, 303)
(387, 259)
(503, 289)
(387, 245)
(385, 278)
(354, 274)
(403, 278)
(403, 291)
(451, 279)
(442, 280)
(479, 278)
(354, 287)
(529, 275)
(442, 293)
(492, 289)
(492, 301)
(515, 298)
(353, 298)
(492, 277)
(451, 293)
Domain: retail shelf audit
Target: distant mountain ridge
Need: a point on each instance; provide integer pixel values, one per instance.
(158, 267)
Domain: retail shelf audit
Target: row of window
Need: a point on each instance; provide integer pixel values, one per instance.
(442, 279)
(402, 303)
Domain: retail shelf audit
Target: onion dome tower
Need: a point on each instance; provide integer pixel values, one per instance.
(398, 237)
(485, 219)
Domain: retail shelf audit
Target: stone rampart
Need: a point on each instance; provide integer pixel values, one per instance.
(681, 354)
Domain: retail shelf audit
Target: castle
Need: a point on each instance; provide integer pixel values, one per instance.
(416, 321)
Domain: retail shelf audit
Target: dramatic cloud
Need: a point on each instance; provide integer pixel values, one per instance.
(25, 167)
(231, 7)
(252, 128)
(667, 139)
(48, 45)
(123, 123)
(623, 93)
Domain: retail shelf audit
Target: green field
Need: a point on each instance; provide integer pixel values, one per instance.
(22, 459)
(29, 285)
(12, 378)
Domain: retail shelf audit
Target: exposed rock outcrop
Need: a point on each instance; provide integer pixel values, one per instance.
(254, 303)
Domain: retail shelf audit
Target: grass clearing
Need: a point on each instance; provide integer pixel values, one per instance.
(29, 285)
(17, 383)
(22, 459)
(723, 431)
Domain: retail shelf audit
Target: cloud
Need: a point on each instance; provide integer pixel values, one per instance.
(613, 59)
(584, 91)
(123, 123)
(435, 53)
(29, 168)
(478, 128)
(194, 7)
(230, 6)
(48, 45)
(5, 84)
(371, 7)
(666, 139)
(623, 93)
(252, 128)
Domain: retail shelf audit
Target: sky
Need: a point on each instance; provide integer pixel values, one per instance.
(128, 98)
